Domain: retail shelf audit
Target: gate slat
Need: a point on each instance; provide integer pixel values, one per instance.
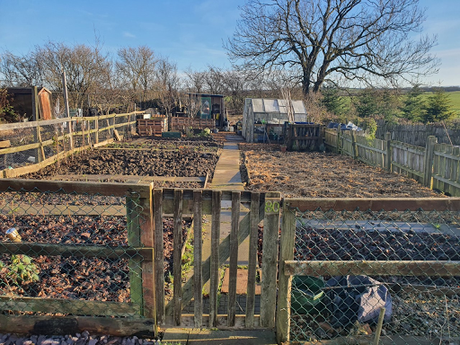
(177, 260)
(159, 256)
(236, 199)
(197, 244)
(214, 267)
(252, 260)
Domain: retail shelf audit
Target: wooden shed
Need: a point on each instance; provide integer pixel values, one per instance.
(23, 102)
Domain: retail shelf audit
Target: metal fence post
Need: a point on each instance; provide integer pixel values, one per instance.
(428, 161)
(287, 240)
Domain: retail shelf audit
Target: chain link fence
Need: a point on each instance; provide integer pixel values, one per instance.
(68, 253)
(358, 264)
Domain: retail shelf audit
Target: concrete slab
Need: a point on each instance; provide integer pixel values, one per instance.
(219, 337)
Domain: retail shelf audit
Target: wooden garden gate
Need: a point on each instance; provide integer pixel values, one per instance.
(201, 203)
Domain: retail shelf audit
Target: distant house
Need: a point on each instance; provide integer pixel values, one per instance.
(23, 102)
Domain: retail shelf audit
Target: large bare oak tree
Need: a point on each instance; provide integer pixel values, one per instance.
(324, 40)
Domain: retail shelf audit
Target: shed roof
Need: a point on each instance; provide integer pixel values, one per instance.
(264, 105)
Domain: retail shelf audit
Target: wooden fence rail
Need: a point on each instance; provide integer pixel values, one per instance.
(436, 166)
(61, 139)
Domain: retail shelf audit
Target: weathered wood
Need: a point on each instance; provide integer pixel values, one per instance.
(177, 259)
(147, 233)
(214, 267)
(63, 187)
(270, 259)
(224, 254)
(252, 259)
(66, 306)
(197, 259)
(388, 204)
(287, 242)
(188, 322)
(21, 209)
(134, 240)
(428, 160)
(4, 144)
(236, 197)
(81, 251)
(137, 178)
(159, 257)
(376, 268)
(120, 327)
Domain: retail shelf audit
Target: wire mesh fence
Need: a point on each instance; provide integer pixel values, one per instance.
(350, 266)
(68, 253)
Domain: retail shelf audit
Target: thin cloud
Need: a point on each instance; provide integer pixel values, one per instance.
(128, 35)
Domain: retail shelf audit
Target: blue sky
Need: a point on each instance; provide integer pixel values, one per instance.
(188, 32)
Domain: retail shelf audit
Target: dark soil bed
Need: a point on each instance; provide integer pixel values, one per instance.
(181, 163)
(100, 279)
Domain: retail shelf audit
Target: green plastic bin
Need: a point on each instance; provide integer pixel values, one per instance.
(307, 294)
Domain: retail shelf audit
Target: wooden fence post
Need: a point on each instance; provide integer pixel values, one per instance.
(354, 145)
(388, 154)
(96, 127)
(339, 141)
(269, 259)
(428, 161)
(284, 282)
(141, 234)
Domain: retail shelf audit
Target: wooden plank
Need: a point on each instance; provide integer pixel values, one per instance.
(388, 204)
(4, 144)
(287, 243)
(147, 233)
(252, 259)
(139, 178)
(197, 259)
(134, 239)
(64, 187)
(177, 259)
(214, 267)
(236, 197)
(33, 124)
(270, 259)
(120, 327)
(376, 268)
(74, 307)
(83, 251)
(21, 209)
(159, 256)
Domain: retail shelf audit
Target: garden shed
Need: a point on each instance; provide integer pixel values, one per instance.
(265, 118)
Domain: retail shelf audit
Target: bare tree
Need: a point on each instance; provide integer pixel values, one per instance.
(196, 81)
(22, 71)
(136, 67)
(167, 84)
(85, 67)
(321, 40)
